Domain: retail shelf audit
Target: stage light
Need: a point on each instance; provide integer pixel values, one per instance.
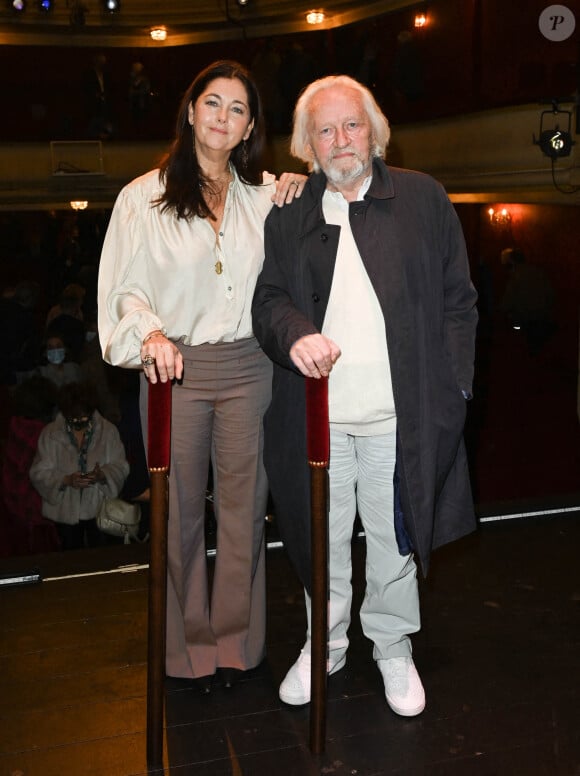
(45, 5)
(18, 5)
(555, 142)
(315, 17)
(242, 2)
(158, 33)
(112, 6)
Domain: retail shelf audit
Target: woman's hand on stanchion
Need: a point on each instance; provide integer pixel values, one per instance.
(160, 356)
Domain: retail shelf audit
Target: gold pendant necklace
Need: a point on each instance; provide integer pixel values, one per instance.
(219, 267)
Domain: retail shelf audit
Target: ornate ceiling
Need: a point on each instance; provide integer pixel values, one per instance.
(87, 23)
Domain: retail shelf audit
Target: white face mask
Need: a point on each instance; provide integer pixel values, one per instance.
(90, 336)
(55, 355)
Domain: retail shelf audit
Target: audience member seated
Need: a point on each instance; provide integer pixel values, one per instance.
(136, 486)
(70, 302)
(32, 407)
(18, 316)
(529, 300)
(101, 375)
(80, 461)
(66, 319)
(58, 369)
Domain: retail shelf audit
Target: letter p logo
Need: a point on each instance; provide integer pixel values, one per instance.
(556, 22)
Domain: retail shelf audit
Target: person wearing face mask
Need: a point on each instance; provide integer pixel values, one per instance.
(67, 319)
(58, 369)
(80, 460)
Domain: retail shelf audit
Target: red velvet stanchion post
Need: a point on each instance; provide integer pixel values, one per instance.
(318, 451)
(158, 454)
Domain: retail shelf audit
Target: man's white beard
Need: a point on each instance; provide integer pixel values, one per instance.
(340, 175)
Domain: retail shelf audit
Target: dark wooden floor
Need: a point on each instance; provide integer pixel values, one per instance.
(498, 653)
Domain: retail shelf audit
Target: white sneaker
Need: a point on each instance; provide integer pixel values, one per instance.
(403, 689)
(295, 689)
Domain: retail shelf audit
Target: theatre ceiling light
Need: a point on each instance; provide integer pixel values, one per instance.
(18, 5)
(158, 33)
(315, 17)
(79, 204)
(45, 5)
(112, 6)
(420, 20)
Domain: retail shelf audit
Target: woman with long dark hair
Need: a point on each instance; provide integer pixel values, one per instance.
(178, 270)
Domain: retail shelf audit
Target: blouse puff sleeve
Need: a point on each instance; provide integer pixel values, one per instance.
(124, 308)
(125, 311)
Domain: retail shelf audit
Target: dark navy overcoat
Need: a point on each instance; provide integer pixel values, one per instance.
(412, 246)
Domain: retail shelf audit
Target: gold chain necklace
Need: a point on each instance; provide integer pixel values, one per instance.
(216, 193)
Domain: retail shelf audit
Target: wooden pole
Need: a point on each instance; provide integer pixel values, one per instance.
(156, 620)
(318, 443)
(319, 600)
(158, 454)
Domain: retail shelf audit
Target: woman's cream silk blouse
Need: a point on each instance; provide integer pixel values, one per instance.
(158, 271)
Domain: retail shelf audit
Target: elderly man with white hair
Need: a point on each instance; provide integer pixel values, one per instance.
(366, 280)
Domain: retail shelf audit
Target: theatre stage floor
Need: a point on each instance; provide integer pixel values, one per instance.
(499, 654)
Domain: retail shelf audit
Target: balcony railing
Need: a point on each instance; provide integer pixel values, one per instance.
(477, 157)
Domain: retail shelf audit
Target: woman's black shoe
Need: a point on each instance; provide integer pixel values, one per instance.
(204, 683)
(229, 676)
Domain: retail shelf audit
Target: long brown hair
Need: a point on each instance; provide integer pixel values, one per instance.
(180, 171)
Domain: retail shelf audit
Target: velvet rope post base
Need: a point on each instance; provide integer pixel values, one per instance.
(158, 449)
(318, 451)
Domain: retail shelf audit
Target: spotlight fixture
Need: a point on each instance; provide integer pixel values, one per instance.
(45, 5)
(555, 142)
(79, 204)
(112, 6)
(158, 33)
(242, 2)
(420, 20)
(18, 5)
(315, 17)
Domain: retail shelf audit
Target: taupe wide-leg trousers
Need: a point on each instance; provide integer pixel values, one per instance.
(217, 413)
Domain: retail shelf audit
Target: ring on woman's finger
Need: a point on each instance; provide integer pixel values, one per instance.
(148, 360)
(294, 183)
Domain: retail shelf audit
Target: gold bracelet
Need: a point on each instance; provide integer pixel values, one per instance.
(153, 334)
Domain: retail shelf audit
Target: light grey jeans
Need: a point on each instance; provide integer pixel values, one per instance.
(361, 475)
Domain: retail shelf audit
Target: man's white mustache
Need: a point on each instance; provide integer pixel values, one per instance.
(344, 151)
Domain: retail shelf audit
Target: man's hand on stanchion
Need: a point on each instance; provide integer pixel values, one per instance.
(314, 355)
